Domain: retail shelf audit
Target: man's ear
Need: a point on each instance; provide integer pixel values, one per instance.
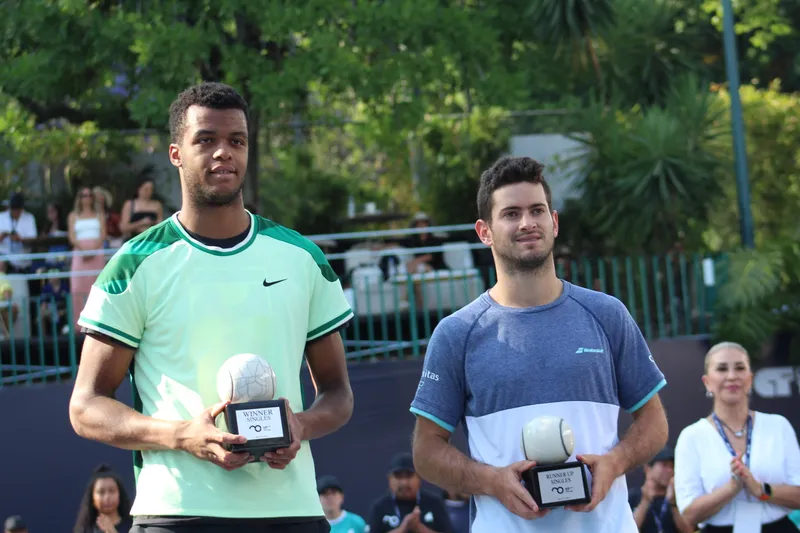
(484, 232)
(175, 155)
(555, 223)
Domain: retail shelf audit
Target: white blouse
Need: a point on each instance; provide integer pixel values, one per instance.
(703, 463)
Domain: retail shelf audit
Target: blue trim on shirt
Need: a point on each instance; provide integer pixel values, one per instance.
(646, 399)
(436, 419)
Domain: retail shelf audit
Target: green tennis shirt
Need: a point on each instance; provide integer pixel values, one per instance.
(186, 308)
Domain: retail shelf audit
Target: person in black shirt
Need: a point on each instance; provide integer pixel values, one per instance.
(654, 508)
(406, 507)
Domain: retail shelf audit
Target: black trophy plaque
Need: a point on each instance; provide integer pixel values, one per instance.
(264, 423)
(558, 485)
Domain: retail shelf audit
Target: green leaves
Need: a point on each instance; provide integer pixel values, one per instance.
(759, 296)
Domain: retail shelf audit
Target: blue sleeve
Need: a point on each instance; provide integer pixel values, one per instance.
(637, 374)
(440, 394)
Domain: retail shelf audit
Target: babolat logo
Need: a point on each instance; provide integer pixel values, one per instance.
(589, 350)
(430, 375)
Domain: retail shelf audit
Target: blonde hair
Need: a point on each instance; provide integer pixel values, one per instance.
(726, 345)
(76, 208)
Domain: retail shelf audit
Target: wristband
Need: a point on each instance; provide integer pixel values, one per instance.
(767, 492)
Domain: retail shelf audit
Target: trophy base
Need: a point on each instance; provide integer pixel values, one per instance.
(264, 423)
(558, 485)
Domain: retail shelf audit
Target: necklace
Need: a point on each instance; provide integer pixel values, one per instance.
(739, 433)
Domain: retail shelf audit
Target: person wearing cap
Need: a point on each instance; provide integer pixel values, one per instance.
(15, 524)
(654, 507)
(331, 496)
(407, 507)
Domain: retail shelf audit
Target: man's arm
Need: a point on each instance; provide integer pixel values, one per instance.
(646, 436)
(95, 414)
(333, 405)
(444, 465)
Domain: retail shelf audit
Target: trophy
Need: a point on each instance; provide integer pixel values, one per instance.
(249, 383)
(549, 441)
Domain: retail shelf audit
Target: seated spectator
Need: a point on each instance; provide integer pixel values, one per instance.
(105, 507)
(654, 508)
(53, 303)
(8, 309)
(331, 496)
(407, 506)
(15, 524)
(426, 261)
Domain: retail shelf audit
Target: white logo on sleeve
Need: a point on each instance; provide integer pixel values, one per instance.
(392, 520)
(428, 517)
(430, 375)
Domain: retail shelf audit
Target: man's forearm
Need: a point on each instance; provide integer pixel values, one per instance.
(646, 436)
(330, 411)
(444, 465)
(111, 422)
(680, 522)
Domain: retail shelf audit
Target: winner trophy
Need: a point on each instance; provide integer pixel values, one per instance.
(549, 441)
(249, 383)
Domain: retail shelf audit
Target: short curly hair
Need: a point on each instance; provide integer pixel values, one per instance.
(208, 94)
(507, 171)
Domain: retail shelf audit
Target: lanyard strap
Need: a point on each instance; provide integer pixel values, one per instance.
(661, 516)
(397, 509)
(746, 457)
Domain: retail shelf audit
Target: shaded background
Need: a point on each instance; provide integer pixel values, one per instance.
(45, 466)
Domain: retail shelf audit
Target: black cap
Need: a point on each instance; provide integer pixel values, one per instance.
(402, 462)
(328, 482)
(16, 201)
(666, 454)
(15, 523)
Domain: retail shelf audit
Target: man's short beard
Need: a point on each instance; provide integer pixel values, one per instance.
(525, 265)
(201, 196)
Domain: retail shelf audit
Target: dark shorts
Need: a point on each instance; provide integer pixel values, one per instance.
(210, 525)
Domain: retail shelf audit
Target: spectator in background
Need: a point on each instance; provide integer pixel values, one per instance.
(105, 507)
(737, 469)
(407, 507)
(17, 230)
(654, 508)
(55, 228)
(15, 524)
(426, 261)
(8, 309)
(105, 201)
(331, 496)
(142, 211)
(457, 506)
(87, 231)
(53, 303)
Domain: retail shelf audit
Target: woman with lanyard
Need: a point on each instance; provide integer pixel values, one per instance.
(737, 470)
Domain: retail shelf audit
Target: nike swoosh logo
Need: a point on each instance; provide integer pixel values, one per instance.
(270, 283)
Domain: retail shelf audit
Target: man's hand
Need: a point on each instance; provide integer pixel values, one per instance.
(605, 471)
(412, 520)
(651, 490)
(204, 440)
(506, 486)
(279, 459)
(746, 477)
(670, 493)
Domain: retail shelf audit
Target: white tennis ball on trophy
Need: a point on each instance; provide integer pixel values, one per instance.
(246, 378)
(547, 440)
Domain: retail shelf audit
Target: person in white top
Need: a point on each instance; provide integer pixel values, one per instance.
(737, 470)
(86, 227)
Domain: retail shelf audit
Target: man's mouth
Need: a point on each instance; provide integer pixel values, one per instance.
(530, 237)
(223, 171)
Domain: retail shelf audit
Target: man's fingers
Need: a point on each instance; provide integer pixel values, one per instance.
(218, 408)
(522, 494)
(227, 438)
(521, 466)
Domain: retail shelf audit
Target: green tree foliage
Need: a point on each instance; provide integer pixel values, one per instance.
(456, 151)
(772, 129)
(647, 174)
